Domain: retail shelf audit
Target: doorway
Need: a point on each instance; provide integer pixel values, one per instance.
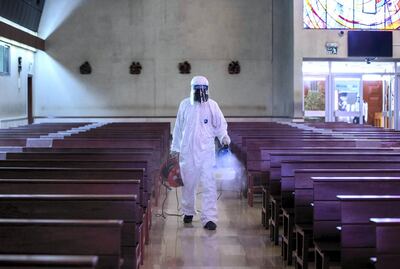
(347, 96)
(354, 92)
(29, 100)
(315, 96)
(379, 94)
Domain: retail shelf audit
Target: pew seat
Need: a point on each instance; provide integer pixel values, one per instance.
(20, 261)
(100, 238)
(387, 232)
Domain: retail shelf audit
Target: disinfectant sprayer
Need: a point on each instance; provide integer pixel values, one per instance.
(225, 165)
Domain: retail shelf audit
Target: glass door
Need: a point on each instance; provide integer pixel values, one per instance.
(396, 103)
(389, 101)
(314, 94)
(347, 95)
(378, 97)
(352, 91)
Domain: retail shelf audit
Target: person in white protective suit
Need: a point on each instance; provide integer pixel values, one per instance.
(198, 122)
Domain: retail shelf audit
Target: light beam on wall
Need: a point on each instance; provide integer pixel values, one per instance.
(54, 14)
(61, 80)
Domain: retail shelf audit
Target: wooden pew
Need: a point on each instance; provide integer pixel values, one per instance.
(303, 211)
(79, 186)
(123, 154)
(109, 137)
(134, 134)
(117, 135)
(93, 155)
(155, 155)
(80, 174)
(151, 166)
(19, 136)
(145, 183)
(255, 144)
(301, 142)
(258, 165)
(155, 136)
(146, 158)
(70, 186)
(89, 150)
(18, 142)
(139, 174)
(93, 143)
(307, 160)
(16, 261)
(357, 232)
(94, 137)
(281, 183)
(63, 237)
(387, 243)
(284, 160)
(161, 128)
(70, 173)
(327, 209)
(78, 161)
(89, 207)
(78, 154)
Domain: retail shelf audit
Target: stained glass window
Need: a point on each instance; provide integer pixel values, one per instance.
(351, 14)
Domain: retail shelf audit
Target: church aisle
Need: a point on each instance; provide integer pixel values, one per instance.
(239, 242)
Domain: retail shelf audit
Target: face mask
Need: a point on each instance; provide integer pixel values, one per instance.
(200, 93)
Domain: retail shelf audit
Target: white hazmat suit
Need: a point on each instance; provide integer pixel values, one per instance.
(197, 124)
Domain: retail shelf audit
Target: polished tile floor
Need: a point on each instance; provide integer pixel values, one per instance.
(239, 242)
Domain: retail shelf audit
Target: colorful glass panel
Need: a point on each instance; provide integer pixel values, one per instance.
(339, 14)
(351, 14)
(314, 14)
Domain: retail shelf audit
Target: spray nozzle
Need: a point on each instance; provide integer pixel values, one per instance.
(224, 150)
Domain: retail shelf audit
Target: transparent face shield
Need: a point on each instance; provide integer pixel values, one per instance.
(199, 93)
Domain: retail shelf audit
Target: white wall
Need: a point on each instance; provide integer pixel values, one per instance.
(159, 34)
(310, 43)
(282, 61)
(13, 94)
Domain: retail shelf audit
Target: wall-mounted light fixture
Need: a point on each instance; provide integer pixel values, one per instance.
(184, 67)
(85, 68)
(234, 68)
(135, 68)
(19, 64)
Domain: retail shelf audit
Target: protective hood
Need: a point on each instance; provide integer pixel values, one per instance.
(199, 90)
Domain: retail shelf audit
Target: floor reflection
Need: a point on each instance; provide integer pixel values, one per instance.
(239, 242)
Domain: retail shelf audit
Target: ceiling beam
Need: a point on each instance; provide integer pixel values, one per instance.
(20, 36)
